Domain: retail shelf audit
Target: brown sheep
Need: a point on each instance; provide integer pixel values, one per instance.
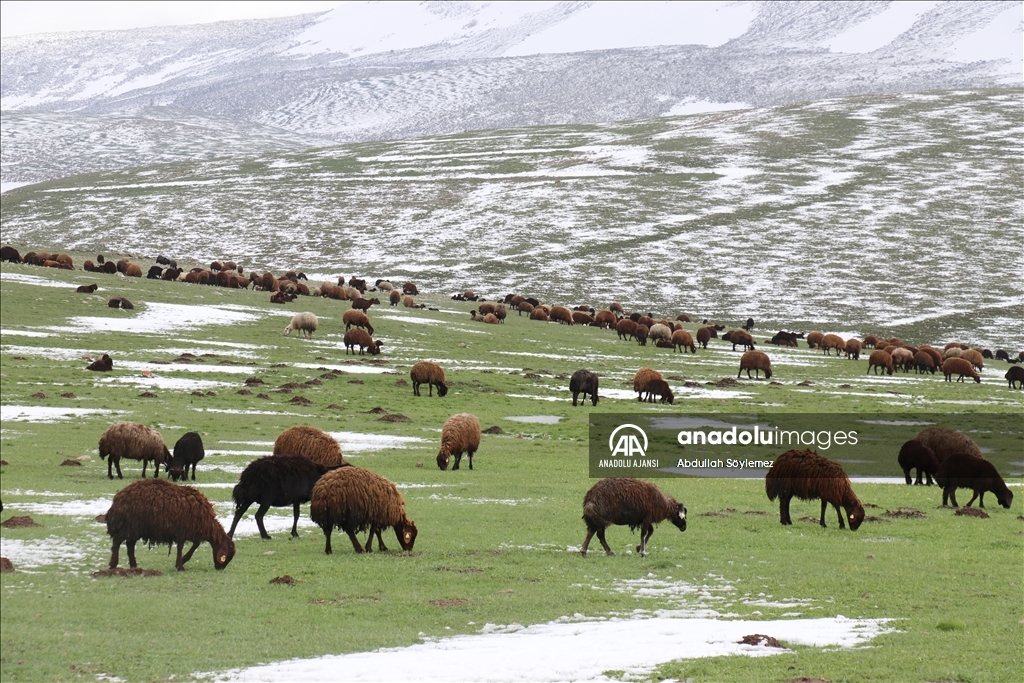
(87, 289)
(1015, 375)
(961, 367)
(9, 253)
(741, 337)
(902, 358)
(953, 345)
(102, 364)
(91, 267)
(814, 338)
(682, 340)
(961, 470)
(809, 476)
(364, 304)
(353, 499)
(395, 297)
(605, 319)
(313, 443)
(682, 317)
(616, 307)
(486, 307)
(974, 358)
(354, 318)
(628, 502)
(430, 374)
(756, 361)
(880, 359)
(914, 454)
(924, 363)
(408, 302)
(626, 329)
(363, 340)
(832, 341)
(642, 378)
(561, 315)
(944, 442)
(133, 270)
(460, 433)
(133, 441)
(120, 302)
(704, 335)
(525, 307)
(538, 313)
(514, 300)
(490, 319)
(870, 341)
(853, 347)
(500, 312)
(641, 334)
(581, 318)
(330, 290)
(410, 289)
(933, 352)
(157, 512)
(659, 388)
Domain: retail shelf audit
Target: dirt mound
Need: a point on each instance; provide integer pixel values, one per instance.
(68, 394)
(198, 393)
(806, 383)
(15, 522)
(376, 411)
(451, 602)
(401, 383)
(121, 571)
(71, 463)
(972, 512)
(807, 679)
(875, 519)
(38, 394)
(5, 565)
(335, 406)
(147, 394)
(394, 417)
(712, 514)
(726, 382)
(759, 639)
(291, 385)
(244, 392)
(4, 462)
(909, 513)
(760, 513)
(253, 381)
(813, 520)
(286, 580)
(263, 396)
(495, 429)
(301, 400)
(356, 381)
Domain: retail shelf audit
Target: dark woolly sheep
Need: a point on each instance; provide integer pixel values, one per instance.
(354, 318)
(1001, 354)
(646, 320)
(814, 338)
(660, 390)
(188, 451)
(281, 298)
(741, 337)
(313, 443)
(682, 340)
(430, 374)
(364, 304)
(914, 454)
(662, 344)
(974, 358)
(91, 267)
(353, 499)
(561, 315)
(616, 307)
(944, 442)
(486, 307)
(525, 307)
(902, 358)
(583, 382)
(102, 364)
(120, 302)
(923, 362)
(880, 360)
(581, 318)
(276, 481)
(961, 367)
(853, 347)
(133, 441)
(155, 272)
(965, 471)
(410, 289)
(164, 261)
(362, 339)
(870, 341)
(395, 297)
(10, 254)
(683, 318)
(757, 361)
(460, 434)
(749, 325)
(87, 289)
(171, 274)
(158, 512)
(605, 319)
(133, 270)
(809, 476)
(305, 322)
(832, 341)
(704, 335)
(933, 352)
(641, 334)
(626, 329)
(501, 312)
(109, 267)
(642, 378)
(356, 283)
(628, 502)
(1015, 375)
(538, 313)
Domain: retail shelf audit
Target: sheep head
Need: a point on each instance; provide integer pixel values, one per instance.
(406, 533)
(223, 552)
(854, 513)
(678, 518)
(1006, 498)
(442, 390)
(442, 460)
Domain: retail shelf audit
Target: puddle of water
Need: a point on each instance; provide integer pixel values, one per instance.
(161, 318)
(359, 442)
(73, 508)
(45, 414)
(541, 419)
(34, 280)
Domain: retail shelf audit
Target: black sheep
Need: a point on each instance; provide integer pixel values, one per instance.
(1014, 375)
(621, 501)
(275, 481)
(154, 273)
(968, 472)
(916, 454)
(583, 382)
(188, 450)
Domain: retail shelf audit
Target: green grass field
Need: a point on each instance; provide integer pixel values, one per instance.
(498, 544)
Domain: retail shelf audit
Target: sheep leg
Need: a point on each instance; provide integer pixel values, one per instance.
(458, 459)
(239, 511)
(645, 533)
(295, 521)
(380, 541)
(115, 551)
(188, 555)
(784, 510)
(583, 548)
(951, 490)
(355, 541)
(259, 520)
(156, 470)
(842, 522)
(471, 459)
(574, 395)
(117, 466)
(327, 534)
(906, 475)
(144, 463)
(928, 475)
(971, 501)
(193, 471)
(110, 465)
(130, 547)
(824, 506)
(430, 388)
(604, 543)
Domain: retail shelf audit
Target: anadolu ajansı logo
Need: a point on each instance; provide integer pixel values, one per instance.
(628, 443)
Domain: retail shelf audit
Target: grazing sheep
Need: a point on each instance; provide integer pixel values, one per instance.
(809, 476)
(364, 304)
(628, 502)
(174, 274)
(9, 253)
(276, 481)
(880, 360)
(934, 353)
(581, 318)
(961, 470)
(583, 382)
(188, 450)
(659, 388)
(626, 329)
(974, 358)
(756, 361)
(409, 302)
(410, 289)
(385, 286)
(901, 358)
(430, 374)
(853, 347)
(395, 297)
(102, 364)
(460, 433)
(1015, 375)
(913, 454)
(741, 337)
(561, 315)
(305, 322)
(944, 442)
(538, 313)
(525, 307)
(1001, 354)
(682, 317)
(353, 499)
(313, 443)
(952, 352)
(832, 341)
(159, 512)
(682, 340)
(120, 302)
(353, 318)
(87, 289)
(814, 338)
(363, 340)
(605, 319)
(704, 335)
(642, 378)
(660, 331)
(641, 334)
(870, 341)
(133, 270)
(953, 345)
(486, 307)
(749, 325)
(924, 363)
(961, 367)
(133, 441)
(155, 272)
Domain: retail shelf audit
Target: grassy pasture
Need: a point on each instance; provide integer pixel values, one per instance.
(496, 545)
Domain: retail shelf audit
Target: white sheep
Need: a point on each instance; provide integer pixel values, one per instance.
(306, 322)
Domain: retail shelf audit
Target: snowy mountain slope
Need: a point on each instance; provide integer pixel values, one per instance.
(835, 214)
(367, 71)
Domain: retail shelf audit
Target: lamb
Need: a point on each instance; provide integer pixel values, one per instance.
(1015, 375)
(188, 450)
(814, 338)
(642, 378)
(315, 444)
(913, 454)
(741, 337)
(853, 347)
(961, 367)
(120, 302)
(749, 325)
(363, 340)
(660, 331)
(756, 361)
(305, 322)
(832, 341)
(353, 499)
(276, 481)
(961, 470)
(659, 388)
(158, 512)
(682, 340)
(944, 442)
(880, 360)
(628, 502)
(561, 315)
(87, 289)
(460, 433)
(430, 374)
(353, 318)
(809, 476)
(583, 382)
(102, 364)
(136, 442)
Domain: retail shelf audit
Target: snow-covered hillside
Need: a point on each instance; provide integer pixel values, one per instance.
(366, 71)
